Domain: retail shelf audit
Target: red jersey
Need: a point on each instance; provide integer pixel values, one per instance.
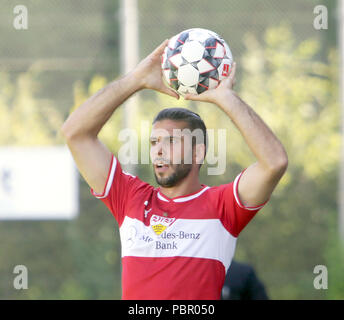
(177, 248)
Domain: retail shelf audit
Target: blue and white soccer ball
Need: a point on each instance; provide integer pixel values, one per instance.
(196, 60)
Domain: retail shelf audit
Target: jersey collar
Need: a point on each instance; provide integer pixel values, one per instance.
(185, 198)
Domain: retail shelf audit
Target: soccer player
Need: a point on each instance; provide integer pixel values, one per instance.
(177, 240)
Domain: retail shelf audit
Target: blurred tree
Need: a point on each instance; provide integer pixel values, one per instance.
(334, 255)
(24, 118)
(65, 41)
(65, 259)
(297, 96)
(27, 120)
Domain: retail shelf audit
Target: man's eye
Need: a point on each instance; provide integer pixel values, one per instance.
(153, 142)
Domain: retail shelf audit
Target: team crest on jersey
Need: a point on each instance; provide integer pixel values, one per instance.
(160, 224)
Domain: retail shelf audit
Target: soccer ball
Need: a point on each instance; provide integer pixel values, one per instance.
(196, 60)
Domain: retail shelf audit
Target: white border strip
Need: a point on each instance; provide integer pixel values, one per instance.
(183, 199)
(236, 196)
(161, 197)
(191, 197)
(213, 241)
(110, 180)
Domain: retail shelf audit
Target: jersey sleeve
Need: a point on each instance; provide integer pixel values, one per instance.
(120, 187)
(234, 215)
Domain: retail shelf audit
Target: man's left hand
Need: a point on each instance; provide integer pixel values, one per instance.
(223, 91)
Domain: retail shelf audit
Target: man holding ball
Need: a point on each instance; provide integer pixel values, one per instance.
(177, 240)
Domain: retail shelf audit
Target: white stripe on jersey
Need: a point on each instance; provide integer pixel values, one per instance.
(183, 199)
(199, 238)
(110, 180)
(236, 196)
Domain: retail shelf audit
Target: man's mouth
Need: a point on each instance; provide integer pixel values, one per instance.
(161, 167)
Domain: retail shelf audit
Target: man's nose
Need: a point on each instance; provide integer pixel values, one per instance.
(160, 149)
(157, 149)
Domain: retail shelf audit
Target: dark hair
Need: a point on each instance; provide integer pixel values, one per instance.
(193, 120)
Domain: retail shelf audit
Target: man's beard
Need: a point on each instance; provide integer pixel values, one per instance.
(180, 172)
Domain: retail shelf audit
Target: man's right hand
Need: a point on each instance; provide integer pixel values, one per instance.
(82, 127)
(149, 73)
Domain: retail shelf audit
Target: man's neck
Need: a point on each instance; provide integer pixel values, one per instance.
(184, 188)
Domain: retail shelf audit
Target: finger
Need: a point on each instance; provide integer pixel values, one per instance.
(160, 49)
(197, 97)
(233, 70)
(230, 80)
(190, 96)
(173, 94)
(169, 92)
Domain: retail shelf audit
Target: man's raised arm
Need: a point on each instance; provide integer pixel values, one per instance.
(260, 179)
(83, 125)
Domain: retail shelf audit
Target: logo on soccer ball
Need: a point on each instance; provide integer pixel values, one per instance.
(225, 71)
(160, 224)
(196, 60)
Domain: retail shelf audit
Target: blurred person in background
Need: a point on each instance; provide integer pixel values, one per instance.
(177, 240)
(242, 283)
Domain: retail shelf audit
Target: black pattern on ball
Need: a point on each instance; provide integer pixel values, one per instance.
(196, 60)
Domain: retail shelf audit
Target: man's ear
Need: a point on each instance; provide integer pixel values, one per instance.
(200, 153)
